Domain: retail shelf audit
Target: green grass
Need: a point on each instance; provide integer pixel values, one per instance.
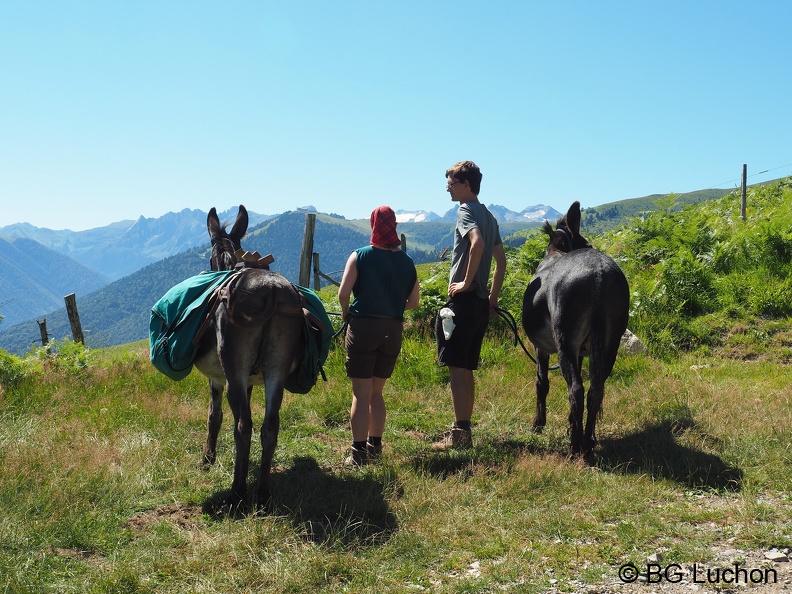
(101, 488)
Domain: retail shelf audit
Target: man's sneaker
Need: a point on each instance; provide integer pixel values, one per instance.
(356, 458)
(456, 438)
(374, 452)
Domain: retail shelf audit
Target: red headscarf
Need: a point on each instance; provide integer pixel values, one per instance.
(383, 227)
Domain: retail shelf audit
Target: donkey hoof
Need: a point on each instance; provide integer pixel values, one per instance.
(236, 498)
(537, 427)
(589, 443)
(576, 448)
(264, 500)
(265, 505)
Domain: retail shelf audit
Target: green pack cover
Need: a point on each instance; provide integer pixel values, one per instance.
(317, 348)
(175, 320)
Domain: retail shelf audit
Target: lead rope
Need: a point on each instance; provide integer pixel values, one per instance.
(506, 316)
(343, 325)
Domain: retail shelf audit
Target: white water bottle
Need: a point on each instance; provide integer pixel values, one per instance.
(448, 321)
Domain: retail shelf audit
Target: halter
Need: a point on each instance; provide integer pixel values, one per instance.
(567, 235)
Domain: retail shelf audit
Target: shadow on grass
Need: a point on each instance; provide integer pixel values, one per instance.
(347, 509)
(462, 463)
(656, 451)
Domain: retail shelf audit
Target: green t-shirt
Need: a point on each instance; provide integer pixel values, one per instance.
(384, 281)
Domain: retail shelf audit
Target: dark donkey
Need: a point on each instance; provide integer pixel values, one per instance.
(576, 305)
(255, 338)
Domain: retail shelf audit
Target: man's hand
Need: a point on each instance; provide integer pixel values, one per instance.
(455, 288)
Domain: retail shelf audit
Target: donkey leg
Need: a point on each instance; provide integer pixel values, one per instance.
(213, 423)
(239, 399)
(600, 366)
(542, 388)
(569, 365)
(594, 408)
(269, 440)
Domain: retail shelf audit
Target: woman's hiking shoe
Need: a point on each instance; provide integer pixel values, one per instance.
(357, 458)
(374, 451)
(456, 438)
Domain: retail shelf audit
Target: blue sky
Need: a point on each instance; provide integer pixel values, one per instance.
(111, 110)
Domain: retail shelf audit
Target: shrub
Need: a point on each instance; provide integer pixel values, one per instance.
(687, 282)
(12, 370)
(65, 355)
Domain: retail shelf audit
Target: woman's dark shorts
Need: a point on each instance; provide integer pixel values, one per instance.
(372, 346)
(471, 317)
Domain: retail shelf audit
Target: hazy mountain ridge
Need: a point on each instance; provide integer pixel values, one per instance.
(35, 279)
(121, 248)
(119, 312)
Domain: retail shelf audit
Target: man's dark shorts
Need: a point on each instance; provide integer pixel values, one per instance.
(372, 346)
(471, 316)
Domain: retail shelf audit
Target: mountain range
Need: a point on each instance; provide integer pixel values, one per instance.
(125, 267)
(121, 248)
(119, 271)
(530, 215)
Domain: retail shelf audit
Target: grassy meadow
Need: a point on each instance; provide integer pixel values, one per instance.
(101, 488)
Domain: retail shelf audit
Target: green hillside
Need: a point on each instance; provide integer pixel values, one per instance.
(35, 279)
(693, 265)
(604, 217)
(702, 277)
(119, 313)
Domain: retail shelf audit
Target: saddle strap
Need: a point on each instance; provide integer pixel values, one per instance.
(301, 311)
(223, 292)
(215, 300)
(309, 316)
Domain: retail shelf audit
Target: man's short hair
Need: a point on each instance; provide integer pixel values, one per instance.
(467, 171)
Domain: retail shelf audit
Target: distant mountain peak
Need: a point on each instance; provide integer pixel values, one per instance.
(539, 213)
(416, 216)
(502, 214)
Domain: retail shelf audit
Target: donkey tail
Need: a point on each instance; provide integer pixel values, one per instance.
(609, 321)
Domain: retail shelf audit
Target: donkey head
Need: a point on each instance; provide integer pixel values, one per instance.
(566, 236)
(224, 244)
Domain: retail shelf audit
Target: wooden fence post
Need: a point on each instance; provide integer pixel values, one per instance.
(743, 200)
(307, 249)
(74, 318)
(316, 270)
(404, 242)
(43, 331)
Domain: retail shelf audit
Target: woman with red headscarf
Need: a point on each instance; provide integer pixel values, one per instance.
(385, 284)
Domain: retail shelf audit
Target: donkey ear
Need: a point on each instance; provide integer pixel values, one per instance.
(573, 218)
(240, 226)
(213, 223)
